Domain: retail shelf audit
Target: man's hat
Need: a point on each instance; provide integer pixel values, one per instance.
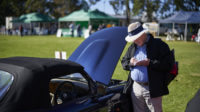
(135, 30)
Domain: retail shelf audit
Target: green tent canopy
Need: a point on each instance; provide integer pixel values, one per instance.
(84, 18)
(82, 15)
(33, 17)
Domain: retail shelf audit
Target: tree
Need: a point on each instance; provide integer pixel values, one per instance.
(148, 6)
(117, 6)
(136, 7)
(153, 9)
(93, 2)
(11, 8)
(5, 10)
(35, 6)
(187, 5)
(168, 7)
(64, 7)
(56, 8)
(128, 13)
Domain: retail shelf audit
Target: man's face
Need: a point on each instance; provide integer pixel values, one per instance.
(141, 40)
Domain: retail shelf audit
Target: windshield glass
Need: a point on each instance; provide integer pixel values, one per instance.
(6, 79)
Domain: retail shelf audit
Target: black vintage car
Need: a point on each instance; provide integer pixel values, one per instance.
(81, 83)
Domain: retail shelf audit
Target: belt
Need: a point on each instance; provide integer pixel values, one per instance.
(143, 83)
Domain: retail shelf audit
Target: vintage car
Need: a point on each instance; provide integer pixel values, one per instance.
(81, 83)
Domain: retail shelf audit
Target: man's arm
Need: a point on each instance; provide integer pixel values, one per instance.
(127, 57)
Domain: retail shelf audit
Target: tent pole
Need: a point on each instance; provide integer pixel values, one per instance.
(158, 30)
(89, 22)
(185, 31)
(39, 28)
(173, 30)
(58, 24)
(31, 28)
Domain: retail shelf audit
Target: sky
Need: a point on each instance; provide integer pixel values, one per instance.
(104, 6)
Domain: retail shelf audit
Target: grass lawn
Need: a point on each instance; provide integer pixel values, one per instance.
(181, 90)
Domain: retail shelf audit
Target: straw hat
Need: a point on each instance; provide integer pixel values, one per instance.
(135, 30)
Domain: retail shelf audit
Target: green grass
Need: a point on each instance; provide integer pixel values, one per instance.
(182, 89)
(36, 46)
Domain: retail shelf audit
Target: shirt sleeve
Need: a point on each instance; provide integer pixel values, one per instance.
(126, 59)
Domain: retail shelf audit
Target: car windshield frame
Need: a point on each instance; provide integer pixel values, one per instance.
(74, 76)
(6, 80)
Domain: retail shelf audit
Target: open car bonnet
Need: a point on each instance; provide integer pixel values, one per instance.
(100, 52)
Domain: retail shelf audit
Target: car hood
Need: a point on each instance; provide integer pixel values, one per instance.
(100, 52)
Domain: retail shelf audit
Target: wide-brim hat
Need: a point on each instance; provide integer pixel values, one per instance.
(135, 30)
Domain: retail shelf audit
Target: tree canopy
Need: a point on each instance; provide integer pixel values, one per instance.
(55, 8)
(152, 9)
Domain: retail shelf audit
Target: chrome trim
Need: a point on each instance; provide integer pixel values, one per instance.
(4, 89)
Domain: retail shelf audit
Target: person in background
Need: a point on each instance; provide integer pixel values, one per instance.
(108, 25)
(103, 26)
(99, 27)
(180, 32)
(113, 25)
(147, 59)
(198, 35)
(21, 29)
(79, 30)
(90, 29)
(71, 26)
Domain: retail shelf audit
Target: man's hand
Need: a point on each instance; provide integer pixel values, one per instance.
(133, 61)
(143, 63)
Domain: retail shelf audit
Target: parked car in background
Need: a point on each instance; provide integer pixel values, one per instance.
(81, 83)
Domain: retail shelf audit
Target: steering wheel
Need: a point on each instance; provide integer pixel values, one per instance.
(64, 93)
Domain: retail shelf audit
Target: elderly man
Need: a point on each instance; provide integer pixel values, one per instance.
(148, 60)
